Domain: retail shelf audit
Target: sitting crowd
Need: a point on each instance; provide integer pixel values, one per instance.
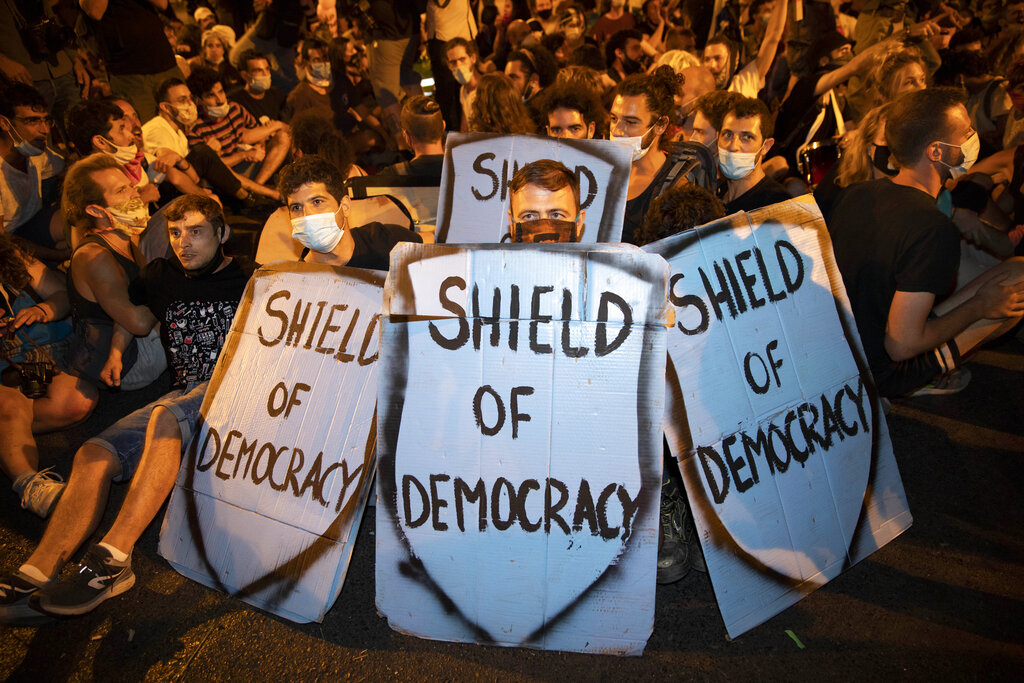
(145, 172)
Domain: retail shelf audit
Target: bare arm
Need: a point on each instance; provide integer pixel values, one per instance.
(252, 136)
(772, 36)
(859, 63)
(910, 332)
(101, 274)
(111, 372)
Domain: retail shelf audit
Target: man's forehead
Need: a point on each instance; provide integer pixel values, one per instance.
(742, 124)
(574, 115)
(630, 105)
(533, 196)
(25, 110)
(191, 219)
(309, 190)
(110, 179)
(457, 52)
(176, 92)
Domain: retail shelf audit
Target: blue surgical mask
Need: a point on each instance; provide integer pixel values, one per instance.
(737, 165)
(317, 232)
(319, 73)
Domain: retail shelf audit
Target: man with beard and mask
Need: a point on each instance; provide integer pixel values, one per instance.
(167, 144)
(194, 296)
(544, 204)
(257, 94)
(640, 115)
(100, 203)
(694, 82)
(462, 62)
(314, 91)
(29, 173)
(743, 142)
(624, 55)
(721, 56)
(314, 193)
(898, 255)
(543, 11)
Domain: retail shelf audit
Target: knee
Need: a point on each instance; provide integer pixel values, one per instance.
(163, 424)
(95, 462)
(13, 405)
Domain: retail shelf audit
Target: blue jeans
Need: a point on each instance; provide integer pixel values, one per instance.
(126, 438)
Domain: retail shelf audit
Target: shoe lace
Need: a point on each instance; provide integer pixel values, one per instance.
(33, 489)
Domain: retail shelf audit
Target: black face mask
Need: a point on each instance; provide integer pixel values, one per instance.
(546, 230)
(631, 66)
(209, 268)
(880, 159)
(544, 14)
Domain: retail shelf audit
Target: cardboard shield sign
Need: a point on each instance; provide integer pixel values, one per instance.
(520, 444)
(773, 415)
(271, 490)
(474, 201)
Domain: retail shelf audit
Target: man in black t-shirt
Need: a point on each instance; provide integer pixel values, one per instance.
(314, 193)
(257, 95)
(194, 297)
(423, 131)
(743, 142)
(898, 255)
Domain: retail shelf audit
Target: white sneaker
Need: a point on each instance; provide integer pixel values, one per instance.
(42, 492)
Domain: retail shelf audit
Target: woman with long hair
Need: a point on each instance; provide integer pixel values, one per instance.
(498, 108)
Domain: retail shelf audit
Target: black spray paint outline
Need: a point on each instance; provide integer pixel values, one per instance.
(391, 401)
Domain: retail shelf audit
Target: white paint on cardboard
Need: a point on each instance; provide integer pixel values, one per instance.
(276, 476)
(474, 201)
(773, 416)
(560, 413)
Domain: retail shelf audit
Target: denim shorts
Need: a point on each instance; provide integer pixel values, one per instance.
(127, 437)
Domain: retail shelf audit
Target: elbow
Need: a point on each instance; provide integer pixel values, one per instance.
(899, 351)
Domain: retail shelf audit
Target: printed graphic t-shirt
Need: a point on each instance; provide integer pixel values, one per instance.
(195, 314)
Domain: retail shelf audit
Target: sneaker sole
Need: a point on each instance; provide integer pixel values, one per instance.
(113, 591)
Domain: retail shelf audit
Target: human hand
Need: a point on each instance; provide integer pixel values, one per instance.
(998, 298)
(15, 71)
(111, 372)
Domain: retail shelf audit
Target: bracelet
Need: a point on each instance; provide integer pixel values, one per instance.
(40, 307)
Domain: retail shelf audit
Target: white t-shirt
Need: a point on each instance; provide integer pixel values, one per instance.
(21, 191)
(467, 99)
(158, 132)
(747, 81)
(454, 20)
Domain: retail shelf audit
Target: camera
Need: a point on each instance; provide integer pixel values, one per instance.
(33, 379)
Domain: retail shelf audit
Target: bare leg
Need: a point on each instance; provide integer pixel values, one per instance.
(256, 188)
(79, 509)
(152, 483)
(277, 150)
(67, 401)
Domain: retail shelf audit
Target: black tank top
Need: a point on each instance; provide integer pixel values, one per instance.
(93, 328)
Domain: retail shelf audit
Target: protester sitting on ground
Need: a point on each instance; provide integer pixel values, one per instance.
(257, 95)
(544, 204)
(743, 142)
(572, 111)
(314, 91)
(216, 45)
(462, 61)
(166, 141)
(197, 292)
(35, 329)
(314, 193)
(640, 115)
(423, 130)
(100, 201)
(246, 146)
(895, 71)
(865, 156)
(498, 109)
(898, 256)
(101, 126)
(721, 57)
(30, 173)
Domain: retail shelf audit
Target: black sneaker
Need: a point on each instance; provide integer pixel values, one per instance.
(15, 591)
(673, 553)
(99, 576)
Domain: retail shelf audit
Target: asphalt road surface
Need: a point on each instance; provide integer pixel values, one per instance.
(944, 601)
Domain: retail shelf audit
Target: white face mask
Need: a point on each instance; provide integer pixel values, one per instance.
(737, 165)
(219, 111)
(636, 142)
(260, 83)
(970, 149)
(463, 74)
(132, 215)
(185, 114)
(125, 154)
(317, 232)
(23, 146)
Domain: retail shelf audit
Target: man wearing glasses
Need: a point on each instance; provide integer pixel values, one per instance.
(29, 173)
